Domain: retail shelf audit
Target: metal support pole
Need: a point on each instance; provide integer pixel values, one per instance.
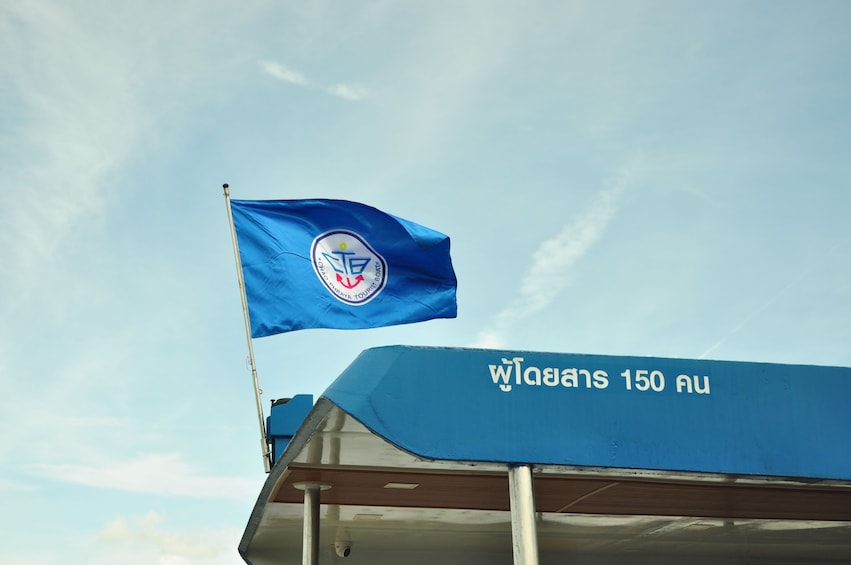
(310, 537)
(523, 532)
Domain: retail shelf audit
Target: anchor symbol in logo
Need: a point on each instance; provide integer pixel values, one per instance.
(348, 282)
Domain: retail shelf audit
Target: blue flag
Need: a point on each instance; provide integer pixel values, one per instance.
(339, 264)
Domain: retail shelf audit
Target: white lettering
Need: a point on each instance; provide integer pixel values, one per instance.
(512, 373)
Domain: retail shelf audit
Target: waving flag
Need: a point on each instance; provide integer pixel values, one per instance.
(339, 264)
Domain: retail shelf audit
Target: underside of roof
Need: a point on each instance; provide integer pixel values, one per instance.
(391, 504)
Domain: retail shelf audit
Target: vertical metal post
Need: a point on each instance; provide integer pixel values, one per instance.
(310, 536)
(310, 539)
(523, 531)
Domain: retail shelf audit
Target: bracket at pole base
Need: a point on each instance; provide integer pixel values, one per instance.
(306, 485)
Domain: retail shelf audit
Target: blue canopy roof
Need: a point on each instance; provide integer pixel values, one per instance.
(604, 411)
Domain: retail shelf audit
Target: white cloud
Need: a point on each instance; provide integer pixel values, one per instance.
(36, 557)
(147, 539)
(694, 191)
(278, 71)
(77, 128)
(14, 486)
(86, 88)
(157, 473)
(803, 273)
(148, 530)
(348, 91)
(341, 90)
(550, 269)
(446, 74)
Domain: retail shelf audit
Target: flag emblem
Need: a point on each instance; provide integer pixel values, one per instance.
(351, 270)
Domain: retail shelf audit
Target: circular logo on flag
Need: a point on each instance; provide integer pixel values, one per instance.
(349, 268)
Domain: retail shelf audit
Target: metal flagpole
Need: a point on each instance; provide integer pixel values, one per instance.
(267, 453)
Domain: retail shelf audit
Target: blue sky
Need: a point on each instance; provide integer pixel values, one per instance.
(639, 178)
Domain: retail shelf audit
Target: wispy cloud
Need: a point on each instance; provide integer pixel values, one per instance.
(340, 90)
(148, 539)
(149, 530)
(84, 90)
(157, 473)
(7, 485)
(694, 191)
(72, 136)
(551, 264)
(348, 91)
(278, 71)
(803, 273)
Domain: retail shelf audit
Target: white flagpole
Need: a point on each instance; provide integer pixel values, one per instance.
(267, 453)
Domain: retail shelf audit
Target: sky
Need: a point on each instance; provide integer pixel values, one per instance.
(647, 178)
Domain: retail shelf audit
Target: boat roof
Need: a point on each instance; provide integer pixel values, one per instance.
(635, 459)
